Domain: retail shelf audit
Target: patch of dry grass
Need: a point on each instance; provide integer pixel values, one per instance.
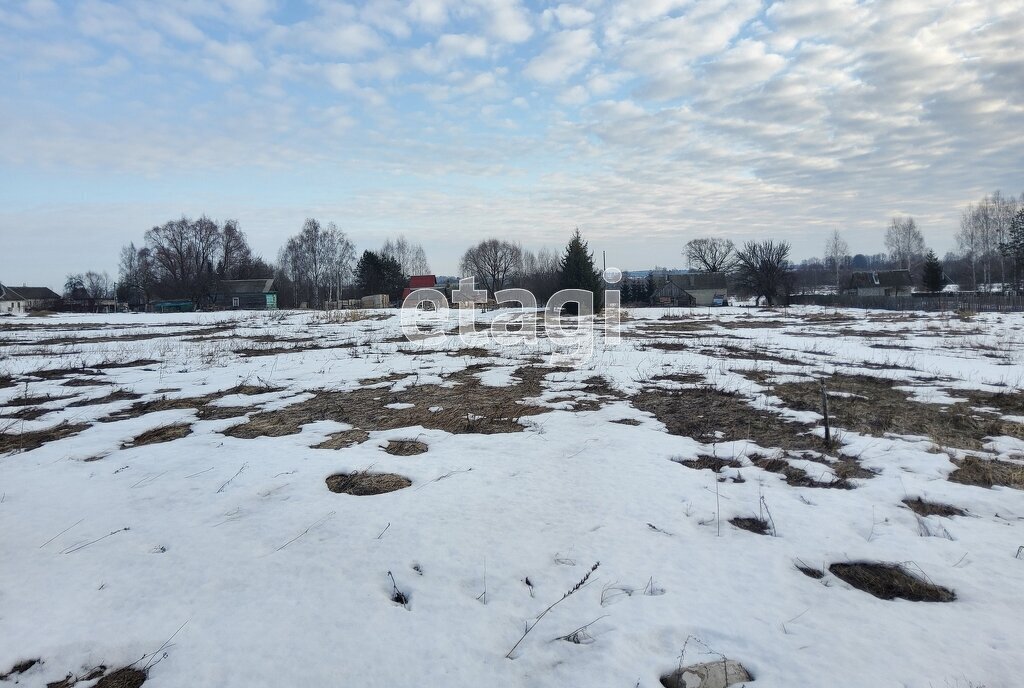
(405, 447)
(922, 507)
(165, 433)
(363, 483)
(711, 415)
(26, 441)
(890, 581)
(467, 407)
(752, 524)
(871, 406)
(988, 473)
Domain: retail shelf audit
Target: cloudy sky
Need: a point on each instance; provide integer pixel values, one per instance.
(646, 123)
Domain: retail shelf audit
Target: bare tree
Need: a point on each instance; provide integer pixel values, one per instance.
(494, 263)
(762, 268)
(236, 256)
(184, 253)
(318, 260)
(905, 242)
(836, 251)
(710, 254)
(411, 257)
(969, 241)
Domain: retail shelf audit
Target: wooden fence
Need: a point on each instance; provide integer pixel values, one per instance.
(977, 303)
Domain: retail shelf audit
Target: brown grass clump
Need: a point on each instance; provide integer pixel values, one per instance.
(20, 668)
(128, 677)
(701, 413)
(405, 447)
(923, 508)
(627, 421)
(706, 461)
(6, 381)
(26, 441)
(32, 401)
(165, 433)
(363, 483)
(875, 408)
(754, 525)
(988, 472)
(810, 571)
(344, 439)
(468, 407)
(797, 477)
(889, 581)
(116, 395)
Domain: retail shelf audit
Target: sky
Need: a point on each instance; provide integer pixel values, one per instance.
(646, 124)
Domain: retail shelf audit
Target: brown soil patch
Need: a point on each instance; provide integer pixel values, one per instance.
(116, 395)
(165, 433)
(701, 413)
(468, 407)
(26, 441)
(405, 447)
(627, 421)
(889, 581)
(875, 408)
(363, 483)
(344, 439)
(754, 324)
(6, 381)
(988, 472)
(923, 508)
(754, 525)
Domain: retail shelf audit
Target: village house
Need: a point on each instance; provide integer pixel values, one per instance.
(693, 289)
(247, 294)
(25, 299)
(880, 283)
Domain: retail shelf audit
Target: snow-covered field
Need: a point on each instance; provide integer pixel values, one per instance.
(164, 504)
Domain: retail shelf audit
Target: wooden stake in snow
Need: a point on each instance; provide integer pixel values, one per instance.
(824, 413)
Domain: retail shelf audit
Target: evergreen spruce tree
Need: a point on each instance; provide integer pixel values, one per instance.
(576, 271)
(931, 273)
(1013, 248)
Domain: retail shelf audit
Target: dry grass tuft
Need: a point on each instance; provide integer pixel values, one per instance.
(889, 581)
(344, 439)
(32, 401)
(627, 421)
(754, 525)
(20, 668)
(405, 447)
(706, 461)
(871, 406)
(165, 433)
(923, 508)
(988, 472)
(363, 483)
(26, 441)
(116, 395)
(127, 677)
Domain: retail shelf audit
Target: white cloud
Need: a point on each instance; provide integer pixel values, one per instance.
(568, 16)
(566, 54)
